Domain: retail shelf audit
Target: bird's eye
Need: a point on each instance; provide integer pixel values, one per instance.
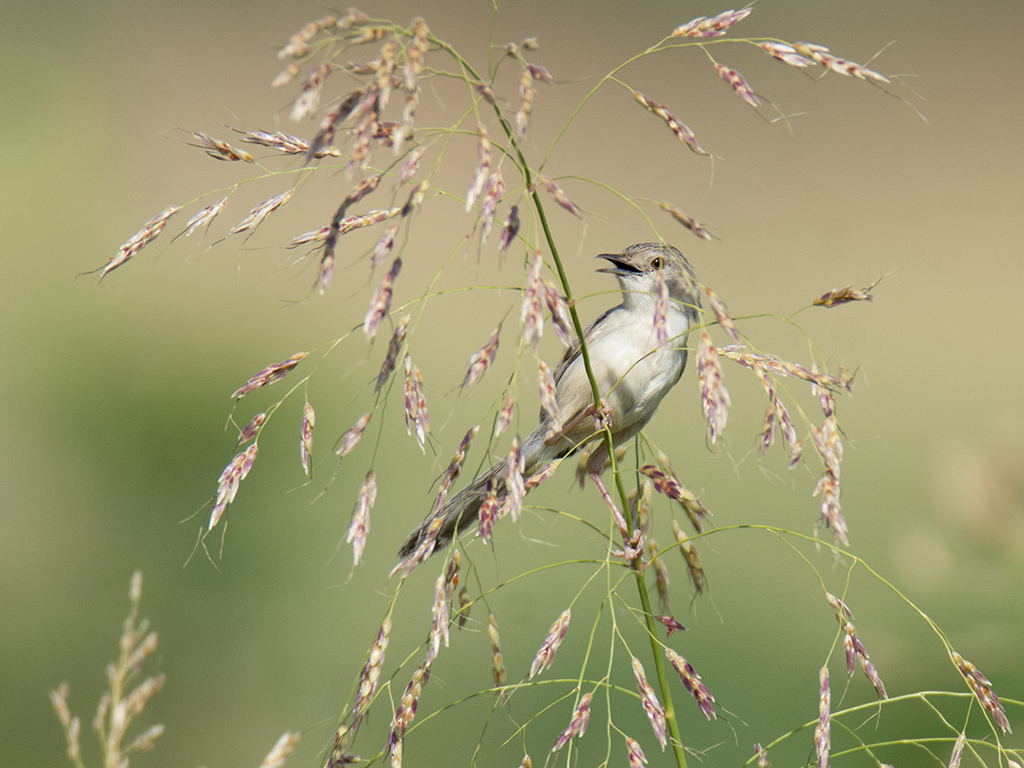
(657, 262)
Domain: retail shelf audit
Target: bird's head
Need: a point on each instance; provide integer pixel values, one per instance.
(637, 268)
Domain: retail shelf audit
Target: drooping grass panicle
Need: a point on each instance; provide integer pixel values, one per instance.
(687, 221)
(693, 683)
(577, 723)
(288, 144)
(786, 53)
(778, 367)
(482, 359)
(250, 430)
(671, 624)
(492, 195)
(260, 212)
(497, 660)
(722, 314)
(313, 236)
(286, 75)
(666, 483)
(298, 45)
(739, 84)
(958, 750)
(416, 198)
(821, 55)
(509, 230)
(366, 124)
(384, 245)
(546, 655)
(505, 414)
(306, 436)
(451, 571)
(228, 483)
(716, 26)
(661, 310)
(414, 64)
(488, 512)
(359, 528)
(483, 167)
(845, 295)
(843, 612)
(405, 713)
(679, 128)
(205, 217)
(829, 446)
(452, 473)
(416, 416)
(559, 310)
(823, 730)
(439, 625)
(762, 756)
(423, 551)
(221, 150)
(354, 434)
(530, 315)
(394, 346)
(826, 439)
(714, 396)
(139, 240)
(548, 398)
(527, 92)
(514, 483)
(410, 167)
(982, 689)
(282, 749)
(342, 226)
(269, 375)
(465, 605)
(649, 701)
(370, 675)
(385, 67)
(380, 302)
(693, 563)
(637, 758)
(559, 196)
(320, 146)
(853, 647)
(661, 577)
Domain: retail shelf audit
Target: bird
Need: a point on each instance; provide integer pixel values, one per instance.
(633, 371)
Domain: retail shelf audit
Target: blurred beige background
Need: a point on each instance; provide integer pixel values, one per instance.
(115, 395)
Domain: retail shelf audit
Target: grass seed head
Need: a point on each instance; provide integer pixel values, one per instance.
(687, 221)
(260, 212)
(205, 217)
(739, 84)
(359, 528)
(577, 724)
(693, 683)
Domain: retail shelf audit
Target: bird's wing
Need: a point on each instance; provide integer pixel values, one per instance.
(591, 333)
(598, 328)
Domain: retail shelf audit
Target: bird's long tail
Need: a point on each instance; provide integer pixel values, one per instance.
(458, 513)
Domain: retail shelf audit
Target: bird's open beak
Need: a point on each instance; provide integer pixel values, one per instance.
(619, 266)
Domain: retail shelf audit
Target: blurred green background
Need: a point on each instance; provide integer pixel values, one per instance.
(115, 395)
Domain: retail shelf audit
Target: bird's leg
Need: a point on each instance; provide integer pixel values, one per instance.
(602, 419)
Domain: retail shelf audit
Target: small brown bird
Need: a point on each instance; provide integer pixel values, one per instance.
(633, 372)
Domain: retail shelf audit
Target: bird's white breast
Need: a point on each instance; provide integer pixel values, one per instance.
(632, 372)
